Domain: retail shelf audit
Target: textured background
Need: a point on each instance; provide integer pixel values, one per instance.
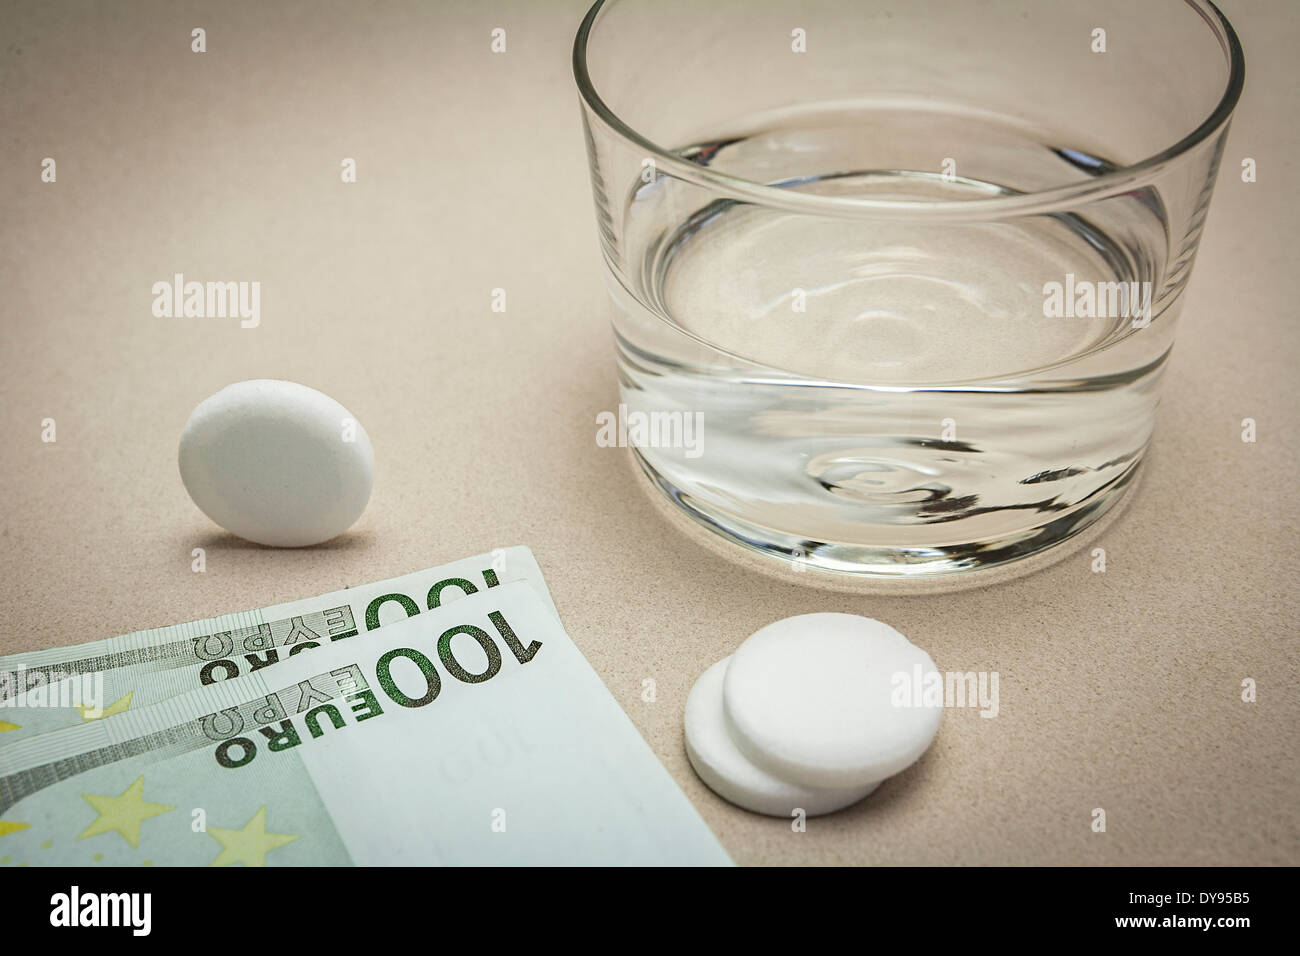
(1118, 690)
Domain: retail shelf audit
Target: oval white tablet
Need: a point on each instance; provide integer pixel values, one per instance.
(811, 698)
(277, 463)
(731, 775)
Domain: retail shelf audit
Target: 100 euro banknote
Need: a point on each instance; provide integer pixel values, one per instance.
(475, 733)
(42, 691)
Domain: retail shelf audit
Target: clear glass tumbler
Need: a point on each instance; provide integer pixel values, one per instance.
(895, 281)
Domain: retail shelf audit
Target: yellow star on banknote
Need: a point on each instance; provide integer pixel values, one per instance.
(123, 814)
(250, 845)
(7, 828)
(5, 725)
(118, 706)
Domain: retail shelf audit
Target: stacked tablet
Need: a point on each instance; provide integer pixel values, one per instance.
(805, 715)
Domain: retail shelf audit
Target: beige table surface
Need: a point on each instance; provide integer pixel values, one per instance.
(1118, 690)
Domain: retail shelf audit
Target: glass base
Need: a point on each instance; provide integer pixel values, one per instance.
(895, 568)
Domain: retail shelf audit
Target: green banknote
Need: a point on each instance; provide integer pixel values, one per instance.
(476, 733)
(43, 691)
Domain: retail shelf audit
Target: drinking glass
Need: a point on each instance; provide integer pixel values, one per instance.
(895, 282)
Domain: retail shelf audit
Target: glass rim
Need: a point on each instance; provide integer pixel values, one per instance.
(1058, 198)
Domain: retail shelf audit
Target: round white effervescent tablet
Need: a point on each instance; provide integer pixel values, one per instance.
(830, 700)
(277, 463)
(731, 775)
